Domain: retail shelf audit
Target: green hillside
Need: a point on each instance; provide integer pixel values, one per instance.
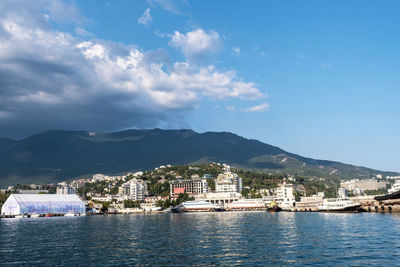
(60, 155)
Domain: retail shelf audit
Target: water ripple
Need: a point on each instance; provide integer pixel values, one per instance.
(230, 238)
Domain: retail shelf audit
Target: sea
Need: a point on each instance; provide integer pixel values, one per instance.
(203, 239)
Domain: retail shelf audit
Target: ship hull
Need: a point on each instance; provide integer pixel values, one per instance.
(182, 209)
(351, 209)
(178, 209)
(274, 209)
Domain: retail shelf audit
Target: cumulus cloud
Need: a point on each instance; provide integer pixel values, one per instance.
(259, 108)
(51, 79)
(198, 44)
(146, 18)
(236, 50)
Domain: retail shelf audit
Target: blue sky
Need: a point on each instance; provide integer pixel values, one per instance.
(317, 78)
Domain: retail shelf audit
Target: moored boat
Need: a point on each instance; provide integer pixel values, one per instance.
(246, 204)
(168, 210)
(196, 206)
(395, 187)
(338, 205)
(273, 207)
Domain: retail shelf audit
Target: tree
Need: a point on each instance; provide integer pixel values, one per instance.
(129, 203)
(3, 198)
(114, 190)
(211, 183)
(245, 192)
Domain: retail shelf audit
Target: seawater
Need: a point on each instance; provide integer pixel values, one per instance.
(226, 238)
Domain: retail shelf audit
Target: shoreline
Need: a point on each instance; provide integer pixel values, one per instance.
(379, 211)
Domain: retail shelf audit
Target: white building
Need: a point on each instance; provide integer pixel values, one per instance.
(42, 204)
(124, 189)
(66, 190)
(135, 189)
(191, 187)
(342, 193)
(101, 177)
(138, 189)
(370, 184)
(285, 196)
(110, 198)
(392, 177)
(228, 182)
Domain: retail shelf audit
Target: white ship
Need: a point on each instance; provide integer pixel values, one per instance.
(338, 205)
(395, 187)
(198, 205)
(246, 204)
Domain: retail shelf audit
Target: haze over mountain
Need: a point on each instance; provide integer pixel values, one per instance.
(56, 156)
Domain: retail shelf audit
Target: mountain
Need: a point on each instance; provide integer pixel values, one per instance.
(56, 156)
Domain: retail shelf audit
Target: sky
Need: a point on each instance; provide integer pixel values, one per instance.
(316, 78)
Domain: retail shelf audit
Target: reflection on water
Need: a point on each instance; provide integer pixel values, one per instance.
(228, 238)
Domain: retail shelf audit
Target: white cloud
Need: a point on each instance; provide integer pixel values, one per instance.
(301, 56)
(197, 44)
(325, 65)
(54, 80)
(259, 108)
(61, 11)
(172, 6)
(82, 32)
(146, 18)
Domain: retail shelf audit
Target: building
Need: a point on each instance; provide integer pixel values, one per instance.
(263, 192)
(342, 193)
(66, 190)
(78, 183)
(310, 203)
(109, 198)
(301, 189)
(101, 177)
(138, 189)
(392, 177)
(154, 199)
(191, 187)
(370, 184)
(228, 182)
(124, 189)
(134, 189)
(285, 196)
(18, 204)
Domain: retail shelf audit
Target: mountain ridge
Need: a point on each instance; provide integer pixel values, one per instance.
(59, 155)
